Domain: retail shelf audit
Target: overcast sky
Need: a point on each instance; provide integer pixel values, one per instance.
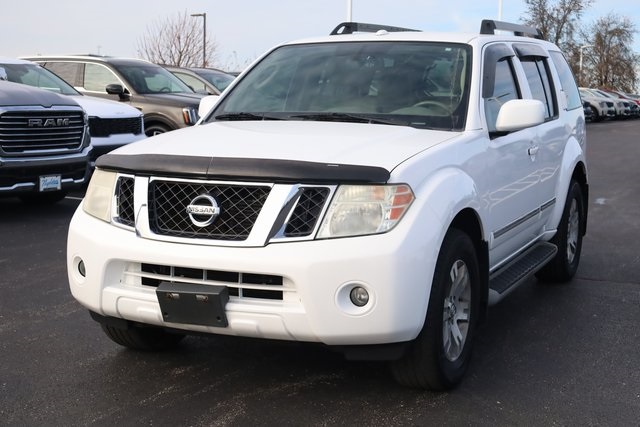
(242, 29)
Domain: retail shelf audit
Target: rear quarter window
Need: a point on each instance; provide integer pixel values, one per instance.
(567, 80)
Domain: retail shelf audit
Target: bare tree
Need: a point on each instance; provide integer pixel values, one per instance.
(177, 41)
(557, 20)
(610, 62)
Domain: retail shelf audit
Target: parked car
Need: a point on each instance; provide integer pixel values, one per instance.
(44, 143)
(634, 104)
(208, 81)
(371, 192)
(165, 101)
(111, 124)
(623, 108)
(602, 107)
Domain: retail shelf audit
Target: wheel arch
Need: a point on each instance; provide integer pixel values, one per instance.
(154, 119)
(573, 167)
(580, 176)
(468, 221)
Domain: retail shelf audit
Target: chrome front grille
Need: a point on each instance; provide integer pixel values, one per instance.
(239, 208)
(100, 127)
(41, 132)
(295, 210)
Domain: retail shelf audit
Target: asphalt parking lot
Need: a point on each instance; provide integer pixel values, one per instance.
(548, 355)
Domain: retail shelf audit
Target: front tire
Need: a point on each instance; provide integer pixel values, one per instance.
(568, 239)
(143, 338)
(155, 129)
(439, 356)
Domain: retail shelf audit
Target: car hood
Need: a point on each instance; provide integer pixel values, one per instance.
(15, 94)
(104, 108)
(179, 99)
(319, 142)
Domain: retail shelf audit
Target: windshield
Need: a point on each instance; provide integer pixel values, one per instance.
(415, 84)
(148, 79)
(35, 75)
(218, 79)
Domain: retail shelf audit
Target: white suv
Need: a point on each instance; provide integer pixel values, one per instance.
(374, 190)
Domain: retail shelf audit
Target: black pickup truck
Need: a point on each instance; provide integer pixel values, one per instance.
(44, 144)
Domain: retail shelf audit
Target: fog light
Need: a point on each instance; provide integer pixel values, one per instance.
(359, 296)
(81, 269)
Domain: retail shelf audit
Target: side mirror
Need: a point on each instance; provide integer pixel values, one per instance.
(519, 114)
(206, 104)
(115, 89)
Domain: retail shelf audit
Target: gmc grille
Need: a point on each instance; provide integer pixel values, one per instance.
(41, 132)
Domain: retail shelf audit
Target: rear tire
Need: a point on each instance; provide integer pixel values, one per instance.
(143, 338)
(568, 239)
(439, 356)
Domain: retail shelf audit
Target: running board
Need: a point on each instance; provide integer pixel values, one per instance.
(516, 272)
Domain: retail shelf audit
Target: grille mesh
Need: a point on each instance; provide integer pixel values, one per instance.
(99, 127)
(307, 212)
(124, 198)
(239, 208)
(28, 132)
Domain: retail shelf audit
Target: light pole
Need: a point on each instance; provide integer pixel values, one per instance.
(349, 10)
(204, 37)
(581, 49)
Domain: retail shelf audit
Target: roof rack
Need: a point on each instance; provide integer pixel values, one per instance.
(352, 27)
(489, 26)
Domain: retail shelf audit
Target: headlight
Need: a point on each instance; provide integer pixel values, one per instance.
(97, 200)
(365, 209)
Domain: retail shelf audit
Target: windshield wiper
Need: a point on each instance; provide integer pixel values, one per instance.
(347, 117)
(332, 117)
(244, 116)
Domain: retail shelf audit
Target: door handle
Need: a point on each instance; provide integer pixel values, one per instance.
(533, 150)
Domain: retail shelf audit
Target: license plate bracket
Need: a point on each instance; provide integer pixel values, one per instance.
(194, 304)
(50, 183)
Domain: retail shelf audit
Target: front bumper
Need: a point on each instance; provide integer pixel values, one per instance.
(396, 268)
(21, 175)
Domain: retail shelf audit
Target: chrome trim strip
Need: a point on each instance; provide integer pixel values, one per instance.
(514, 224)
(548, 204)
(523, 219)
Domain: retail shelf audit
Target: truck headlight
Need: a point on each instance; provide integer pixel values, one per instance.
(97, 200)
(358, 210)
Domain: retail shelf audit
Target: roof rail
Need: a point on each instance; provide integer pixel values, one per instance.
(352, 27)
(489, 26)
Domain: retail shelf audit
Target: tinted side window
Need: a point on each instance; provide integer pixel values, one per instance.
(538, 77)
(566, 80)
(97, 77)
(505, 89)
(71, 72)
